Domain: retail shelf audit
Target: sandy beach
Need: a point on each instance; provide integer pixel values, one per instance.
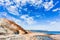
(31, 36)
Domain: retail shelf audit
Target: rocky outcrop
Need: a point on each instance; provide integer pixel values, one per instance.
(11, 27)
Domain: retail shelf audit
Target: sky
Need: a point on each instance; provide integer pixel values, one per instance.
(32, 14)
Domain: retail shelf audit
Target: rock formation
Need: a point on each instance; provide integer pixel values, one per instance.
(11, 27)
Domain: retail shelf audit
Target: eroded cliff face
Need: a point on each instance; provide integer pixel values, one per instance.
(11, 27)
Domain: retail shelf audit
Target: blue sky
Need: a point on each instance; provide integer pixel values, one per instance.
(32, 14)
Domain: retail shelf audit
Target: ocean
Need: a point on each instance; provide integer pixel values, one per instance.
(47, 32)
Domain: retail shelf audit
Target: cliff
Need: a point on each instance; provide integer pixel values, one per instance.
(11, 27)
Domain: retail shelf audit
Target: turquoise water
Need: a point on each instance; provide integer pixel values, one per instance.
(47, 32)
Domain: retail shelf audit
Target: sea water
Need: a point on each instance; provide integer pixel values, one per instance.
(47, 32)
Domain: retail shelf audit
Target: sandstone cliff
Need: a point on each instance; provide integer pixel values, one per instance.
(11, 27)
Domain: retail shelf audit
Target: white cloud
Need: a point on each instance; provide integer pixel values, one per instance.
(25, 9)
(52, 23)
(50, 26)
(38, 15)
(20, 2)
(57, 9)
(38, 27)
(7, 3)
(35, 3)
(1, 2)
(48, 5)
(3, 14)
(54, 26)
(23, 2)
(17, 2)
(13, 10)
(28, 19)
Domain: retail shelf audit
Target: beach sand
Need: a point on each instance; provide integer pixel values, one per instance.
(30, 36)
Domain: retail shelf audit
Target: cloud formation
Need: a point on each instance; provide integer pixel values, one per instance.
(28, 19)
(13, 10)
(36, 3)
(57, 9)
